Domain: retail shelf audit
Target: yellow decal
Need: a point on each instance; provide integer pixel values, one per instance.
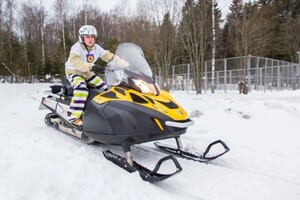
(158, 124)
(158, 103)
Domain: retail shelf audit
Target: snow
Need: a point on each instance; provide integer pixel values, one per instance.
(261, 129)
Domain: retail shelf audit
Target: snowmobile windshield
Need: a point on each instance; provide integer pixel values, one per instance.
(138, 66)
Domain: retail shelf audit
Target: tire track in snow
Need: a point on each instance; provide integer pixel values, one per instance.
(259, 166)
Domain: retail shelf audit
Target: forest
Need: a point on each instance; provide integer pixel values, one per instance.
(35, 39)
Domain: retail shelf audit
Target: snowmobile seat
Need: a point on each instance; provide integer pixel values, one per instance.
(56, 89)
(68, 89)
(67, 86)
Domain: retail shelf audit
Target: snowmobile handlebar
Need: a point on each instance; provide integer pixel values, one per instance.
(98, 68)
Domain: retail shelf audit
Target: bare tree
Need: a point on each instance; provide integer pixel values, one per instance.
(291, 38)
(165, 16)
(155, 10)
(168, 33)
(10, 6)
(25, 30)
(32, 17)
(41, 23)
(251, 29)
(288, 12)
(163, 49)
(195, 32)
(60, 6)
(1, 30)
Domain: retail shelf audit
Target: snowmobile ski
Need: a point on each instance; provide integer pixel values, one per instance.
(194, 156)
(145, 173)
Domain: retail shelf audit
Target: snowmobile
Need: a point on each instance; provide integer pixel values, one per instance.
(133, 111)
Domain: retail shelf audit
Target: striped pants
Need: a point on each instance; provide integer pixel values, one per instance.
(81, 93)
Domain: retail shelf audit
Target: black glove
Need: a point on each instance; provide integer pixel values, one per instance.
(98, 69)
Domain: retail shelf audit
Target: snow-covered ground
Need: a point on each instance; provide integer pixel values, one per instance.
(261, 129)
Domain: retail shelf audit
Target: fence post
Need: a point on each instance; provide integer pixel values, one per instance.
(260, 78)
(230, 79)
(225, 74)
(173, 77)
(278, 77)
(257, 71)
(288, 73)
(188, 77)
(205, 75)
(294, 77)
(265, 82)
(249, 72)
(271, 77)
(218, 80)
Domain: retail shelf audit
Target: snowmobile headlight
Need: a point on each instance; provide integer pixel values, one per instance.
(146, 88)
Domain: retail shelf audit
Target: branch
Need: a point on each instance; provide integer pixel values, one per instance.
(6, 67)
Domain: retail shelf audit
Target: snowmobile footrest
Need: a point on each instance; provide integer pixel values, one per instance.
(194, 156)
(146, 174)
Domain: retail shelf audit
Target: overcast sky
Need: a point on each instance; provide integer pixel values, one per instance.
(106, 5)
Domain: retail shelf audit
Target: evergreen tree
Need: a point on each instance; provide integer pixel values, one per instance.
(164, 49)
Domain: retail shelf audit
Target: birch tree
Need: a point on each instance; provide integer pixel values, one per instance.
(41, 27)
(60, 9)
(195, 31)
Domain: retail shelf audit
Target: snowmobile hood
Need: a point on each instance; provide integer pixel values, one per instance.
(137, 85)
(163, 103)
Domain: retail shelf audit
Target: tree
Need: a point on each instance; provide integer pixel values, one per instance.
(60, 8)
(41, 20)
(31, 18)
(163, 17)
(163, 51)
(1, 30)
(196, 35)
(288, 14)
(250, 30)
(170, 33)
(10, 50)
(10, 5)
(155, 10)
(26, 25)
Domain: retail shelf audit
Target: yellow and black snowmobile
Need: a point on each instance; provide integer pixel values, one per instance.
(133, 111)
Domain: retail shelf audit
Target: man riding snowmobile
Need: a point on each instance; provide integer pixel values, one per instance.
(80, 66)
(133, 111)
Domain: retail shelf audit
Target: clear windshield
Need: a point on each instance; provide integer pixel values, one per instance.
(134, 55)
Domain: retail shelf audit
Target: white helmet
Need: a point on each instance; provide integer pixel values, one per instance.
(87, 30)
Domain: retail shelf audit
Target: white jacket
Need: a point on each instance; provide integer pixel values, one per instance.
(82, 60)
